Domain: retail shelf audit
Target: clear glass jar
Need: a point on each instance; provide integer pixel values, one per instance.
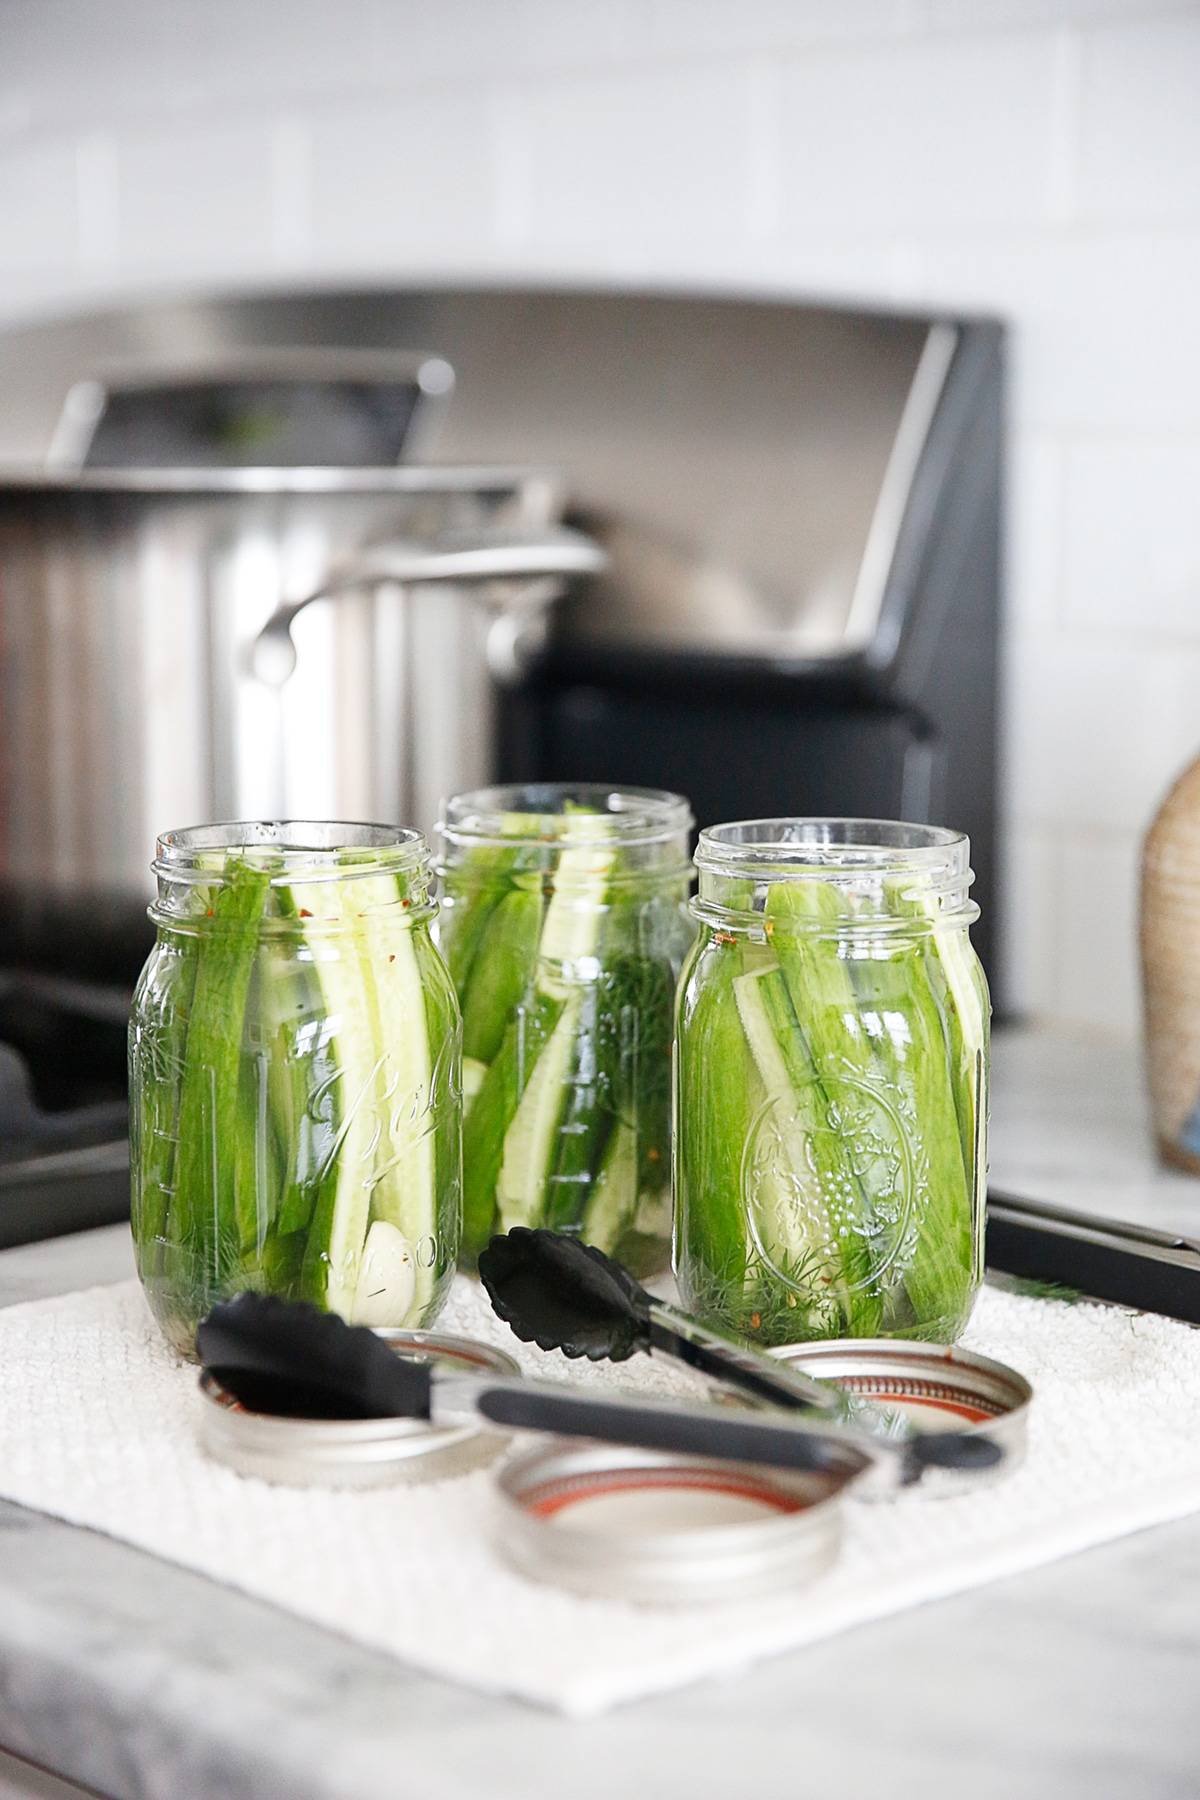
(295, 1077)
(564, 924)
(831, 1073)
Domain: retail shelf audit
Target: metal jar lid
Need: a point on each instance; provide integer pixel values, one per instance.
(356, 1453)
(931, 1387)
(645, 1526)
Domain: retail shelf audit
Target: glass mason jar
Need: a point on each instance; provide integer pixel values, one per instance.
(295, 1077)
(564, 924)
(831, 1083)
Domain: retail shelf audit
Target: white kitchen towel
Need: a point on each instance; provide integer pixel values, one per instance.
(97, 1425)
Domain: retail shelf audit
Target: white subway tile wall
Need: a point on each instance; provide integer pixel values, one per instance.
(1039, 159)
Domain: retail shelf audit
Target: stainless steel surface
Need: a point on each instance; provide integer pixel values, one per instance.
(75, 442)
(519, 573)
(864, 618)
(357, 1453)
(742, 462)
(733, 1561)
(750, 1437)
(129, 604)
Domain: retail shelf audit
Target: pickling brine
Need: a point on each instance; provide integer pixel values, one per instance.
(564, 924)
(295, 1077)
(831, 1084)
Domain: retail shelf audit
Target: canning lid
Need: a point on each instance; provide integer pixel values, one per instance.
(927, 1387)
(356, 1453)
(655, 1528)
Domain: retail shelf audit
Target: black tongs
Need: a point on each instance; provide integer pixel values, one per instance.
(287, 1358)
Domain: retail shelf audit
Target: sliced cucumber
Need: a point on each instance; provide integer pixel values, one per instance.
(383, 1151)
(790, 1219)
(531, 1141)
(404, 1194)
(473, 1074)
(203, 1214)
(492, 1112)
(501, 973)
(614, 1198)
(575, 915)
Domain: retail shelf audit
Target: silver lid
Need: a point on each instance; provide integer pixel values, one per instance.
(358, 1453)
(645, 1526)
(927, 1387)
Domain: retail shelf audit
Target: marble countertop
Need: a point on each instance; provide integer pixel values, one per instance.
(1070, 1124)
(145, 1682)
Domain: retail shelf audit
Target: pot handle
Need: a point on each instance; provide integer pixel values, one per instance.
(511, 571)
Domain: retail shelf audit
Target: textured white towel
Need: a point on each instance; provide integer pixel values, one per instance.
(97, 1426)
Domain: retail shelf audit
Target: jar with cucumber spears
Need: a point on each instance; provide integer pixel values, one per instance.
(831, 1083)
(564, 922)
(295, 1079)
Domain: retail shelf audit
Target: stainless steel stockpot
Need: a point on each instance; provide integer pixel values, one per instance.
(162, 659)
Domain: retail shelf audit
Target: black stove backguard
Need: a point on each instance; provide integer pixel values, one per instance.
(903, 725)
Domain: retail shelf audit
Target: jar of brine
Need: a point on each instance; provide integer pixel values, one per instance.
(564, 924)
(831, 1083)
(295, 1077)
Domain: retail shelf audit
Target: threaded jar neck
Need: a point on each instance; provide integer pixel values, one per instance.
(872, 875)
(377, 867)
(535, 823)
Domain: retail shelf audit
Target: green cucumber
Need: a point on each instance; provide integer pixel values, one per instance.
(556, 1127)
(501, 973)
(961, 988)
(473, 1074)
(804, 920)
(203, 1226)
(588, 1111)
(799, 1169)
(717, 1095)
(476, 885)
(531, 1141)
(613, 1202)
(158, 1052)
(257, 1166)
(404, 1191)
(486, 1125)
(921, 1060)
(381, 1163)
(575, 913)
(444, 1027)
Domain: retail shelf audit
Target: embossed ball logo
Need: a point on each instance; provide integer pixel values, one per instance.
(827, 1186)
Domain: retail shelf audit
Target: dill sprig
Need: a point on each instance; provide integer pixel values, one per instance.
(1031, 1289)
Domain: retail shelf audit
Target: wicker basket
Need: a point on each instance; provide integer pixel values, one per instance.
(1170, 942)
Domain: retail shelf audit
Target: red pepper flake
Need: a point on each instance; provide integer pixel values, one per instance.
(391, 959)
(654, 1155)
(769, 927)
(210, 914)
(724, 937)
(304, 913)
(406, 903)
(755, 1321)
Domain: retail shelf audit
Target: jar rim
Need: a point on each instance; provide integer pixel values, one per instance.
(641, 815)
(798, 844)
(313, 845)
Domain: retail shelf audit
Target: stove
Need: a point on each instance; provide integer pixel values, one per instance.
(64, 1153)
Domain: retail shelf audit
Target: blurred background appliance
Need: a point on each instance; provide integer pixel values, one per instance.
(776, 587)
(206, 616)
(799, 506)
